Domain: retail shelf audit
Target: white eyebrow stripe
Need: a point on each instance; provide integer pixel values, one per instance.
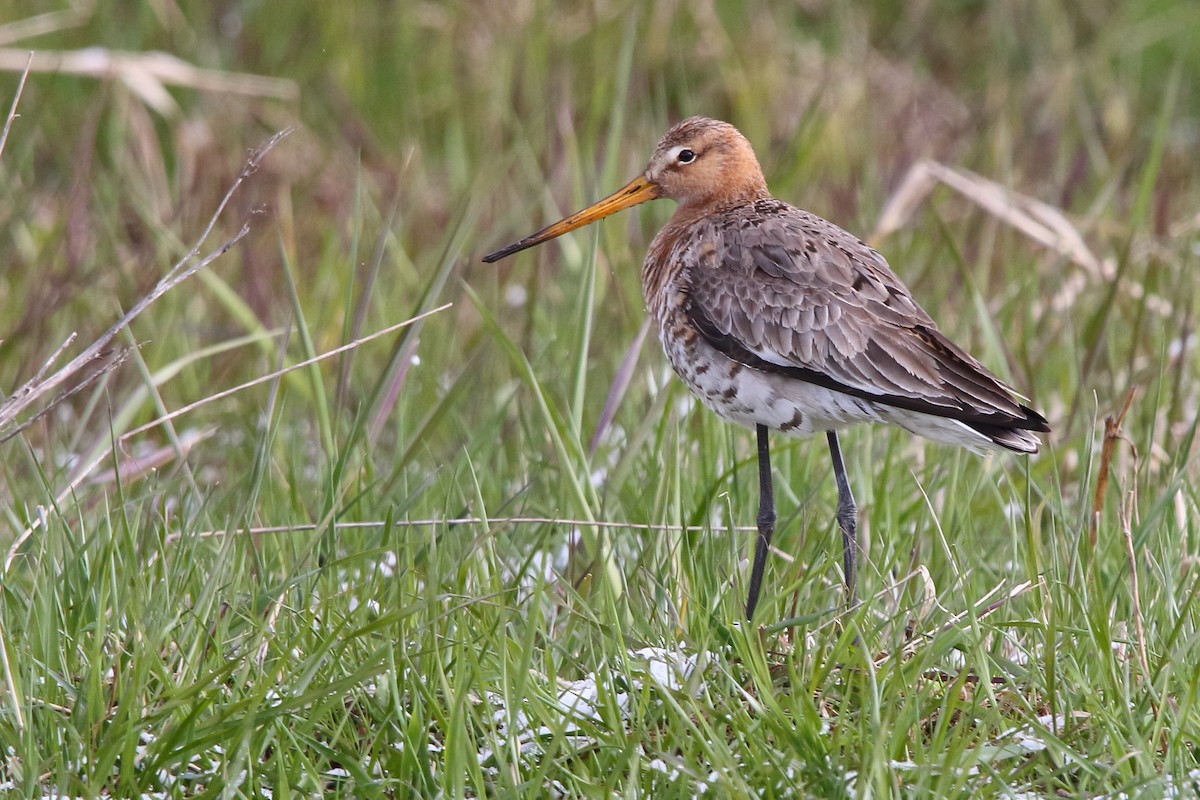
(674, 152)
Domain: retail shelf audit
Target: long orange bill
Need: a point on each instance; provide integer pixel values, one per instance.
(638, 190)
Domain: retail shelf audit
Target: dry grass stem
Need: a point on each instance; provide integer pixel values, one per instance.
(101, 364)
(1128, 507)
(39, 387)
(277, 373)
(42, 24)
(1112, 434)
(1039, 221)
(1128, 504)
(15, 698)
(148, 74)
(491, 521)
(12, 109)
(86, 470)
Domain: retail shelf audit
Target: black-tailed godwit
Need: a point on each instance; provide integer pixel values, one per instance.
(780, 320)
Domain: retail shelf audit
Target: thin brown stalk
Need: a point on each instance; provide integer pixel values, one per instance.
(1112, 433)
(1128, 506)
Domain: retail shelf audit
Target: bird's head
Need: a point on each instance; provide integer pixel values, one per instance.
(699, 163)
(704, 162)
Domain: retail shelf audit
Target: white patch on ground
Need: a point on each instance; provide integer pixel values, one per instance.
(579, 703)
(1014, 650)
(1020, 741)
(668, 668)
(1171, 790)
(183, 778)
(658, 765)
(372, 606)
(531, 571)
(1166, 788)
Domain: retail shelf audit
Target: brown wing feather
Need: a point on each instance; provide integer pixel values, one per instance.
(783, 290)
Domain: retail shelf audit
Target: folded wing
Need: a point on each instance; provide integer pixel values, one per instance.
(793, 294)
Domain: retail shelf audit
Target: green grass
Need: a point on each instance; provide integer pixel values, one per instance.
(373, 644)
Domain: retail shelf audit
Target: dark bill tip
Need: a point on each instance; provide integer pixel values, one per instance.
(492, 258)
(638, 190)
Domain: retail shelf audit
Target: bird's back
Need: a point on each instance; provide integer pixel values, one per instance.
(805, 306)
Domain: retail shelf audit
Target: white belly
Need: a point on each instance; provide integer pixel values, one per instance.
(750, 397)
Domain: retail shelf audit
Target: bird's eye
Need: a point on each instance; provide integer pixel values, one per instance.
(686, 156)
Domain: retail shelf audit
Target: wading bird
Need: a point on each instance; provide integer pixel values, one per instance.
(777, 319)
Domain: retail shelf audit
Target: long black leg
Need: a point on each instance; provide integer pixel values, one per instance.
(766, 521)
(847, 517)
